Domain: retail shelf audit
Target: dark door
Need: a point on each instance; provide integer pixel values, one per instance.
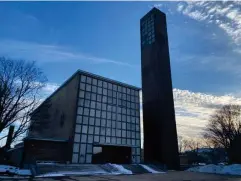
(112, 154)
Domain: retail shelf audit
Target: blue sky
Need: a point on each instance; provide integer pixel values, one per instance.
(104, 38)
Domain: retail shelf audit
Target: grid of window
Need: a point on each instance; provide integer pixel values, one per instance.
(147, 30)
(107, 113)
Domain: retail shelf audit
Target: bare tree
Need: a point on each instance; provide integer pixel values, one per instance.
(20, 83)
(224, 126)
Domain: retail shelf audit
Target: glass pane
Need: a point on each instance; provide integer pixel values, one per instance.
(99, 83)
(89, 148)
(128, 126)
(102, 139)
(103, 114)
(118, 125)
(113, 124)
(79, 119)
(89, 80)
(128, 134)
(113, 132)
(85, 120)
(99, 90)
(87, 95)
(87, 103)
(77, 138)
(97, 150)
(104, 99)
(88, 158)
(86, 111)
(92, 105)
(97, 113)
(118, 140)
(110, 93)
(109, 86)
(84, 129)
(123, 141)
(123, 125)
(102, 131)
(132, 134)
(93, 97)
(123, 133)
(94, 82)
(118, 133)
(91, 129)
(83, 78)
(78, 128)
(113, 140)
(105, 84)
(82, 159)
(92, 121)
(108, 123)
(115, 87)
(75, 158)
(90, 138)
(96, 139)
(98, 105)
(129, 141)
(81, 102)
(105, 92)
(104, 106)
(92, 112)
(97, 122)
(83, 138)
(108, 132)
(97, 130)
(80, 110)
(107, 139)
(133, 142)
(76, 147)
(82, 86)
(94, 89)
(88, 87)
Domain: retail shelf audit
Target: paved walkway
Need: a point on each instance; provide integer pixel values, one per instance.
(170, 176)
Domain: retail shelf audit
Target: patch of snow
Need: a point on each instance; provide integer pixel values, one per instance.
(234, 169)
(14, 170)
(50, 175)
(121, 169)
(150, 169)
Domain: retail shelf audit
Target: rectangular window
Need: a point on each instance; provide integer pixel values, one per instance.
(87, 103)
(104, 99)
(99, 98)
(132, 134)
(119, 89)
(84, 129)
(113, 124)
(79, 119)
(123, 118)
(132, 92)
(103, 122)
(97, 113)
(91, 129)
(109, 100)
(110, 93)
(113, 108)
(108, 132)
(128, 112)
(88, 158)
(109, 86)
(87, 95)
(77, 138)
(137, 128)
(118, 140)
(98, 105)
(97, 121)
(137, 93)
(133, 127)
(113, 116)
(97, 139)
(128, 126)
(113, 132)
(118, 125)
(88, 80)
(92, 104)
(86, 111)
(91, 121)
(83, 78)
(114, 94)
(93, 97)
(80, 110)
(138, 142)
(114, 101)
(128, 134)
(83, 138)
(129, 141)
(92, 112)
(115, 87)
(75, 158)
(94, 82)
(82, 149)
(103, 114)
(133, 142)
(99, 83)
(107, 140)
(76, 147)
(123, 141)
(78, 128)
(85, 120)
(119, 117)
(99, 90)
(128, 98)
(124, 97)
(94, 89)
(102, 139)
(104, 107)
(108, 115)
(123, 89)
(108, 124)
(81, 94)
(102, 131)
(128, 119)
(109, 107)
(128, 91)
(123, 134)
(81, 102)
(133, 120)
(82, 86)
(90, 138)
(105, 85)
(132, 99)
(137, 99)
(105, 92)
(132, 105)
(123, 125)
(137, 135)
(88, 87)
(118, 133)
(113, 140)
(89, 148)
(97, 130)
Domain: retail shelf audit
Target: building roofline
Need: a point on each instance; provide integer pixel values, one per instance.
(151, 11)
(107, 79)
(88, 74)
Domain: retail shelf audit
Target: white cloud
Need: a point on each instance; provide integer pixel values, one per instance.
(228, 14)
(50, 53)
(193, 109)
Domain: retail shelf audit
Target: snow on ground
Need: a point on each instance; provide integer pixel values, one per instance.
(234, 169)
(150, 169)
(14, 170)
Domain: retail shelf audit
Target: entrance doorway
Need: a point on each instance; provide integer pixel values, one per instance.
(111, 154)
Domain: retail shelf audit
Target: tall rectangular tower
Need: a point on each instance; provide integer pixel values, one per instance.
(160, 135)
